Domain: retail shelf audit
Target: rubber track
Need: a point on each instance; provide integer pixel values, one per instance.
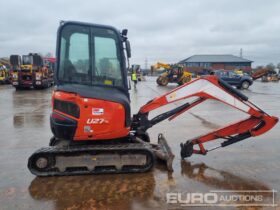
(50, 152)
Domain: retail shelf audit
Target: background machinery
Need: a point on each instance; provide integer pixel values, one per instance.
(266, 75)
(4, 74)
(91, 121)
(49, 62)
(30, 71)
(174, 74)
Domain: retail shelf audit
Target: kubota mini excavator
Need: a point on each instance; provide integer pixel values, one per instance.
(91, 122)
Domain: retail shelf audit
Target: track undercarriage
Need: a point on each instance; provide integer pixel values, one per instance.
(66, 159)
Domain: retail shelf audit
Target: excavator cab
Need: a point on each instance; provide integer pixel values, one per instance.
(91, 55)
(27, 59)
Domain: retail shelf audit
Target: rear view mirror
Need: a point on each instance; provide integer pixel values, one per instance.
(128, 49)
(124, 32)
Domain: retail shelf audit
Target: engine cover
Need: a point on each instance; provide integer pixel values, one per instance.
(96, 119)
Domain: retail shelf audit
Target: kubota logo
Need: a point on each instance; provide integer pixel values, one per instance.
(97, 111)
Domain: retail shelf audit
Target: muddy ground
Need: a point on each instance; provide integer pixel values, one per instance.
(253, 164)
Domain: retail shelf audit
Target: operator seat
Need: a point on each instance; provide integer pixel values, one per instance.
(69, 70)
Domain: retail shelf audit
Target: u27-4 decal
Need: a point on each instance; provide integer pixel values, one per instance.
(91, 121)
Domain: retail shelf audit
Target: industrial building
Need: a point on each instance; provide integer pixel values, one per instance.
(197, 63)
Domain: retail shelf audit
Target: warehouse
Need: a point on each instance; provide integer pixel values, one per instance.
(197, 63)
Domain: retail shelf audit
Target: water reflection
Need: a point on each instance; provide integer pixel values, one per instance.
(228, 183)
(97, 191)
(31, 108)
(219, 178)
(35, 120)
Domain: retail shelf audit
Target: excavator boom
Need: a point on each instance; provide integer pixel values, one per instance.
(202, 89)
(159, 65)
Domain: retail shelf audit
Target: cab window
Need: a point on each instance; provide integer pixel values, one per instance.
(90, 56)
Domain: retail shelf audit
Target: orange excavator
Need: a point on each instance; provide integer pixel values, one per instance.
(91, 121)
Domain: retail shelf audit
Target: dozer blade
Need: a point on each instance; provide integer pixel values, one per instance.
(163, 152)
(94, 159)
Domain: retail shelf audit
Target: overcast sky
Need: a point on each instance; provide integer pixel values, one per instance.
(166, 31)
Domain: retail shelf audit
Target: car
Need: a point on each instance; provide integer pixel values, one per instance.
(239, 81)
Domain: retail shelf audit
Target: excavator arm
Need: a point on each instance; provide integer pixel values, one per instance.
(159, 65)
(202, 89)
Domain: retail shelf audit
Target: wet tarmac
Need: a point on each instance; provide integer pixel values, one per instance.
(253, 164)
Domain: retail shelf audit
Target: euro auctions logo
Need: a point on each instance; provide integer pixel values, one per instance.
(237, 198)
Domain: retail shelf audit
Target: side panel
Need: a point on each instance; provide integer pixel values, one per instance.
(101, 119)
(98, 119)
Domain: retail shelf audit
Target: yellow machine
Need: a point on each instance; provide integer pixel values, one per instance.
(4, 74)
(173, 74)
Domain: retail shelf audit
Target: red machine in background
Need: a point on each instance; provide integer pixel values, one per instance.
(266, 75)
(91, 121)
(49, 62)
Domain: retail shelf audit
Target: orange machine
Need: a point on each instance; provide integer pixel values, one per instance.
(91, 120)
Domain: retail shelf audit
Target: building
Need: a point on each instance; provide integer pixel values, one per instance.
(197, 63)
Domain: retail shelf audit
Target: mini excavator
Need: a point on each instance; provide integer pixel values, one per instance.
(91, 120)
